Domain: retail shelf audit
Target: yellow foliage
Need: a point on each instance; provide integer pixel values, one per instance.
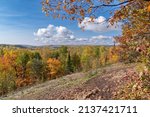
(102, 61)
(113, 55)
(8, 60)
(54, 66)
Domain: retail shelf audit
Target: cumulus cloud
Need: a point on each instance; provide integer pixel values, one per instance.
(97, 25)
(52, 33)
(59, 35)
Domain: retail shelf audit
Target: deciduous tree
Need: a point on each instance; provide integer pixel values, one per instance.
(54, 66)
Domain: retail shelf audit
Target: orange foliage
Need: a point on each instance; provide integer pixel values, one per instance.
(54, 66)
(148, 8)
(7, 60)
(24, 82)
(72, 0)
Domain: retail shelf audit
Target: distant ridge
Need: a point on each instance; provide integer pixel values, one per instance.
(42, 46)
(28, 46)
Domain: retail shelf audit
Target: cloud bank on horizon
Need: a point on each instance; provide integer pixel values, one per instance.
(60, 35)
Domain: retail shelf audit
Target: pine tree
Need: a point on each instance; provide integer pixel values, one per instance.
(69, 65)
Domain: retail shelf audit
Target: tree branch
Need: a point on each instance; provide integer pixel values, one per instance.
(112, 5)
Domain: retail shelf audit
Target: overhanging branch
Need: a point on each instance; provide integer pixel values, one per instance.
(111, 5)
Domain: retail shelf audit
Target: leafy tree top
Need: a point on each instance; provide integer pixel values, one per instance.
(79, 9)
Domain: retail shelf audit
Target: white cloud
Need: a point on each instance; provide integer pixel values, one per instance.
(97, 25)
(102, 40)
(52, 33)
(101, 37)
(59, 35)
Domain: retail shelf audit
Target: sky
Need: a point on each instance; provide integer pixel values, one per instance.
(23, 22)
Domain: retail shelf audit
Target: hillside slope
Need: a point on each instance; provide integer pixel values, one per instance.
(100, 84)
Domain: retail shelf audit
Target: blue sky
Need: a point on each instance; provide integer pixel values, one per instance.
(23, 22)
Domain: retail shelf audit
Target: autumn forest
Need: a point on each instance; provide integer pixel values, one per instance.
(117, 71)
(22, 67)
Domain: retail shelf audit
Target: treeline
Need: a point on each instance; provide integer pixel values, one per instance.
(22, 67)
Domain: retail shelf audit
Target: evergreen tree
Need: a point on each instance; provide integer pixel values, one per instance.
(37, 56)
(69, 64)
